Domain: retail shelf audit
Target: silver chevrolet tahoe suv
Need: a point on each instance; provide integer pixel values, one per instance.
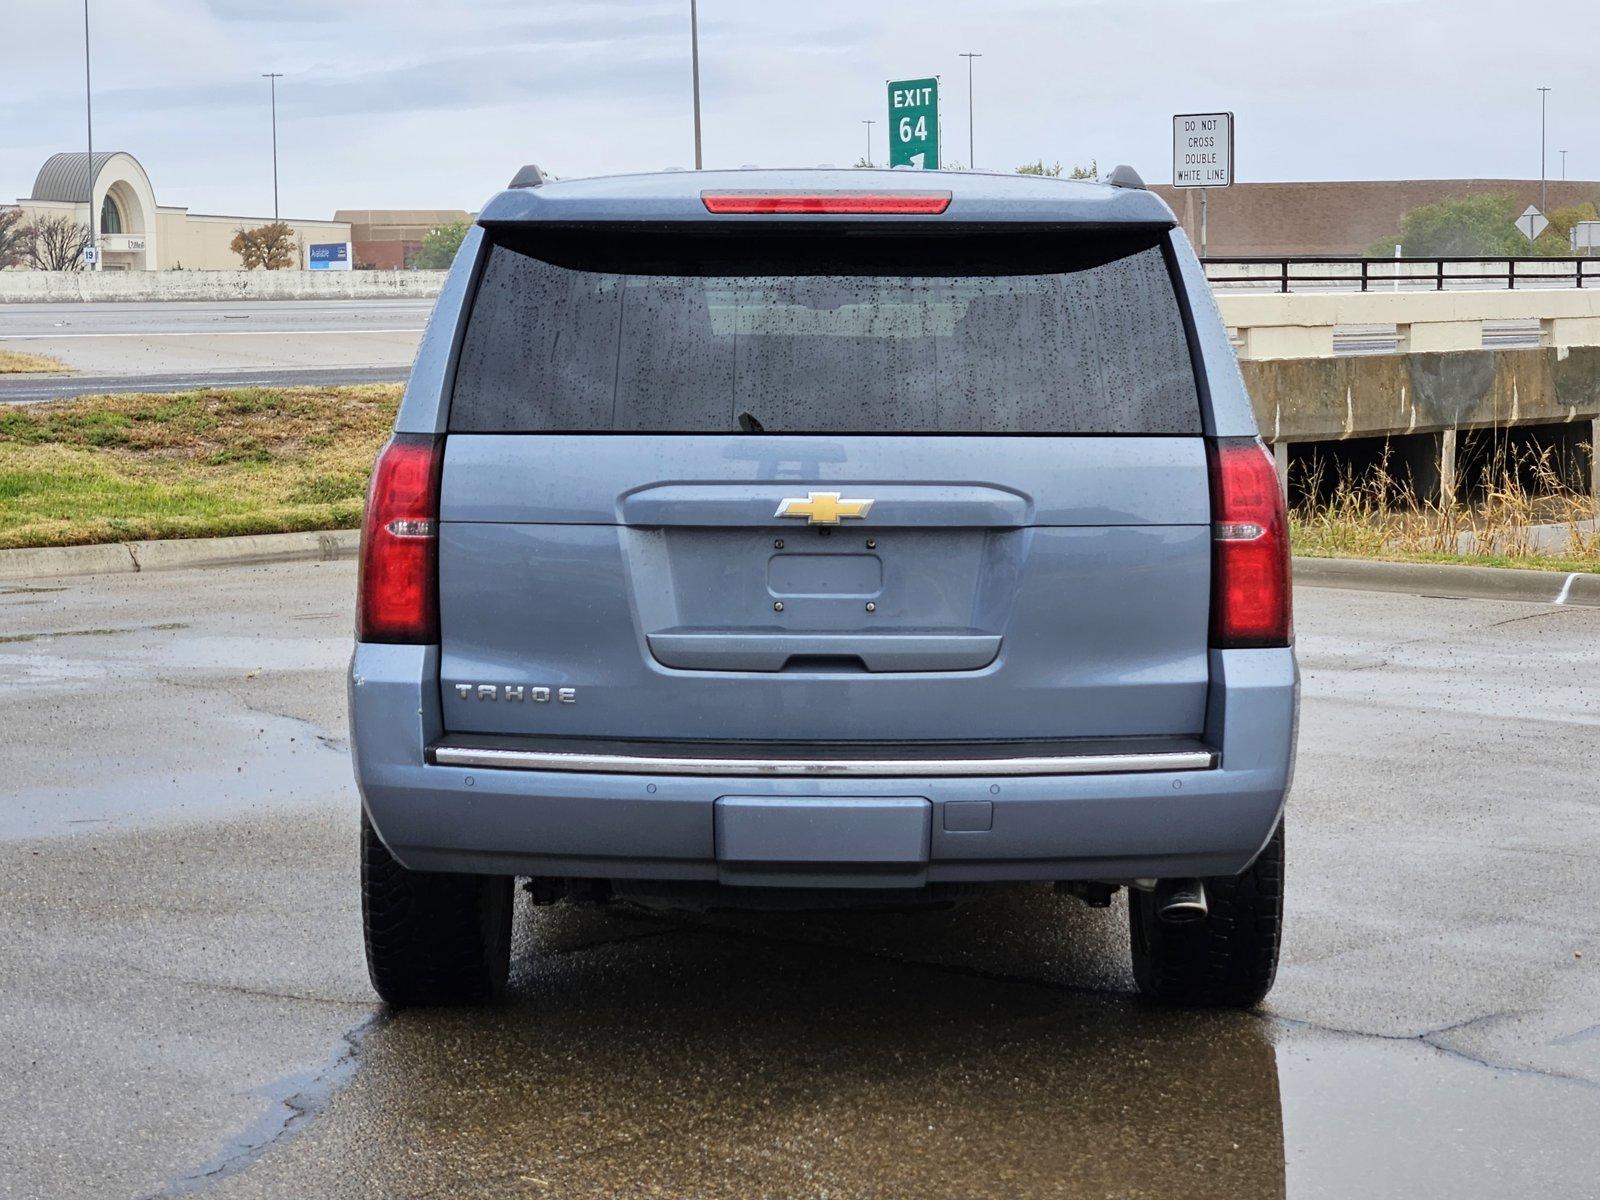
(807, 537)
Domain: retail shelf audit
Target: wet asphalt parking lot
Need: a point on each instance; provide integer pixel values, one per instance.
(184, 1009)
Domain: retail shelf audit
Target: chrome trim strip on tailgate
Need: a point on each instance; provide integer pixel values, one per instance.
(1078, 764)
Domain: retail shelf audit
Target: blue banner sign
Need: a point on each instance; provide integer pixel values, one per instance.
(329, 256)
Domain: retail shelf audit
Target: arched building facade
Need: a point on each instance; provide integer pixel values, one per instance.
(137, 234)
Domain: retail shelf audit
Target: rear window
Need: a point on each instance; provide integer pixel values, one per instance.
(837, 332)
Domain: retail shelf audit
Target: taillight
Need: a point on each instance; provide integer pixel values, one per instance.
(771, 203)
(1251, 601)
(397, 597)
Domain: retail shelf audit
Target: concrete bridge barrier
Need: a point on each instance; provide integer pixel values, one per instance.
(1441, 385)
(1301, 325)
(42, 287)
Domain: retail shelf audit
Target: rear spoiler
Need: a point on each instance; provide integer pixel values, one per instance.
(674, 197)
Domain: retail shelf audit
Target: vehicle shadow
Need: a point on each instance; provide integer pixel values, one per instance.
(990, 1051)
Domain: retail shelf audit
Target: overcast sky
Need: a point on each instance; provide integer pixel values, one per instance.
(434, 103)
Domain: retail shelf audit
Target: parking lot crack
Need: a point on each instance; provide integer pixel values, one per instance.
(238, 989)
(1434, 1039)
(1538, 616)
(210, 687)
(293, 1102)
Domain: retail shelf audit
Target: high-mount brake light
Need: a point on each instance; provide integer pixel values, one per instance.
(398, 583)
(807, 203)
(1251, 594)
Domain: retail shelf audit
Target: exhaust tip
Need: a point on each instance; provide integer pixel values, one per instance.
(1181, 901)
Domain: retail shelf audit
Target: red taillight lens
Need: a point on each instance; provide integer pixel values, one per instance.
(773, 203)
(1251, 601)
(397, 597)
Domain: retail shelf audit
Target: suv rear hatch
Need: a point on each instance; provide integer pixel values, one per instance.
(861, 482)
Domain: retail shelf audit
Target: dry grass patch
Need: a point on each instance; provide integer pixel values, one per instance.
(1522, 513)
(14, 362)
(193, 464)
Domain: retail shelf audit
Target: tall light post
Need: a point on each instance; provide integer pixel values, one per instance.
(272, 77)
(694, 54)
(972, 164)
(1544, 96)
(88, 115)
(869, 125)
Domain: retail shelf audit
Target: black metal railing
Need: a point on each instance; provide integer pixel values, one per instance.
(1282, 274)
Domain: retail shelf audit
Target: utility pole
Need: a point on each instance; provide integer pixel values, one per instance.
(88, 113)
(1544, 96)
(272, 77)
(972, 164)
(694, 51)
(1563, 166)
(870, 124)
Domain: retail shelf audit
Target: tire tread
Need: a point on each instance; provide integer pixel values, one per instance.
(432, 938)
(1228, 960)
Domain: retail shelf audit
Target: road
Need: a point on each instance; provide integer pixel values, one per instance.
(166, 347)
(183, 1008)
(178, 345)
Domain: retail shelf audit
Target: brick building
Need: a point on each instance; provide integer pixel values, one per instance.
(386, 238)
(1340, 219)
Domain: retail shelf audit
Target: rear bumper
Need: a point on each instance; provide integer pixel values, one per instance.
(964, 828)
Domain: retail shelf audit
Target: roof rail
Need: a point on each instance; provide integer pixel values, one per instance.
(529, 176)
(1126, 177)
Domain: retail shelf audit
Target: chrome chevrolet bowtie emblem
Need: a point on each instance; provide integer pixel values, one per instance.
(823, 508)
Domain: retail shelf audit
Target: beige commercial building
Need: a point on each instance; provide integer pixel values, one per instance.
(137, 234)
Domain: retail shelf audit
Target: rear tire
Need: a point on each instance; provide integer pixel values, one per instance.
(1227, 960)
(433, 938)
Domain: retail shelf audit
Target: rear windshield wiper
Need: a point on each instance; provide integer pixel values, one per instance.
(748, 424)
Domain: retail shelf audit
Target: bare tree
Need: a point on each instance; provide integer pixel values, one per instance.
(270, 246)
(54, 244)
(13, 237)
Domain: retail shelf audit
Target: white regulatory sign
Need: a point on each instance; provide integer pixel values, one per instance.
(1202, 150)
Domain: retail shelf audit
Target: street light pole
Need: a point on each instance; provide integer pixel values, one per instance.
(88, 114)
(272, 77)
(1563, 166)
(869, 125)
(971, 157)
(694, 52)
(1544, 96)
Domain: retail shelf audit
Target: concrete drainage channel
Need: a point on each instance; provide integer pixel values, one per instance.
(1417, 579)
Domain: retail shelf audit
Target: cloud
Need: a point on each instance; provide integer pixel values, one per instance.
(401, 102)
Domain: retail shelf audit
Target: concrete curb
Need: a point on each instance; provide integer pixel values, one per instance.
(1417, 579)
(177, 554)
(1443, 579)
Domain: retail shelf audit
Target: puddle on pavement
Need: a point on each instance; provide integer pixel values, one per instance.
(640, 1057)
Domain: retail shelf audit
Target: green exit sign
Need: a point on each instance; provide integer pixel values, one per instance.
(914, 123)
